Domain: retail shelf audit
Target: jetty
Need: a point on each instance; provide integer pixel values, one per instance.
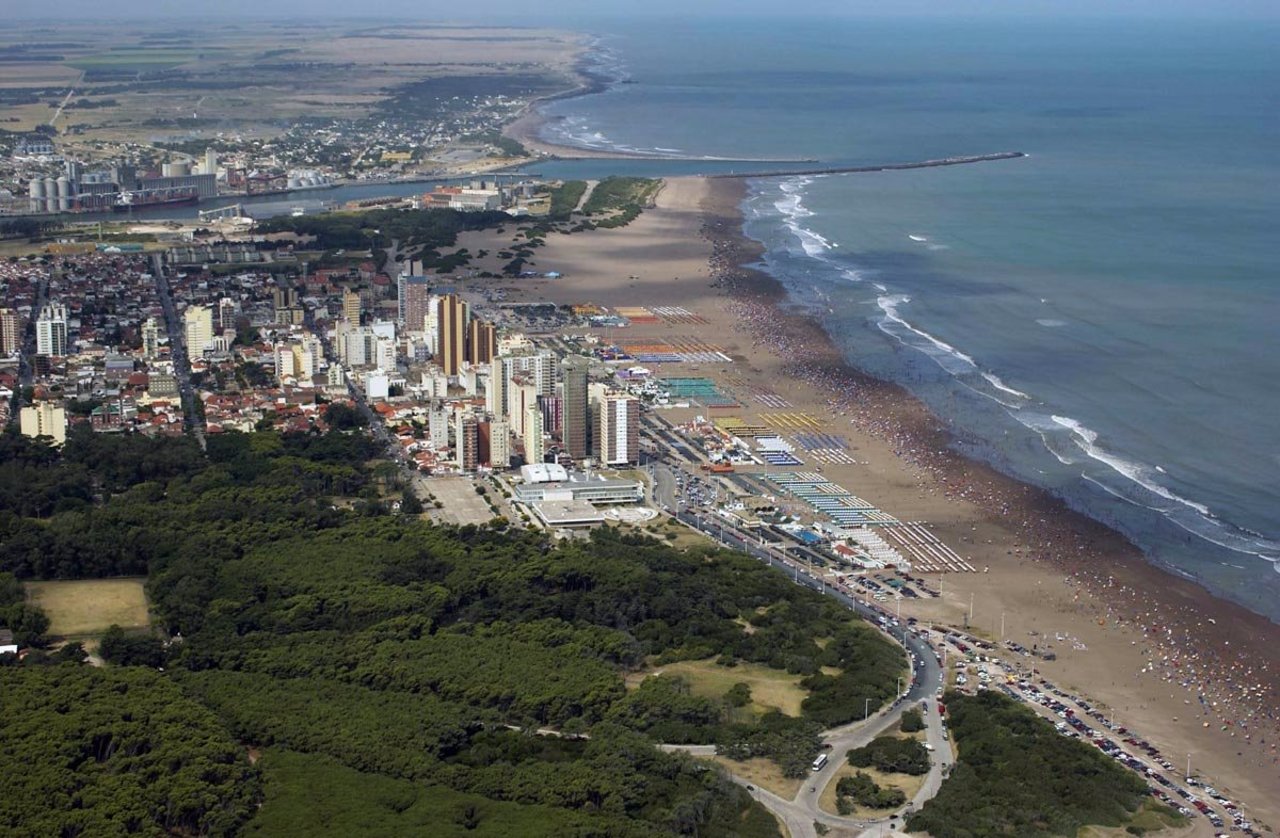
(883, 167)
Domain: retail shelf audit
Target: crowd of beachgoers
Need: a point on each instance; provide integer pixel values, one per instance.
(1229, 687)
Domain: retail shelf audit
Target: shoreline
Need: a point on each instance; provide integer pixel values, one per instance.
(1133, 639)
(1194, 641)
(527, 125)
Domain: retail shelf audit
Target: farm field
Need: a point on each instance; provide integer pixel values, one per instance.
(77, 608)
(164, 82)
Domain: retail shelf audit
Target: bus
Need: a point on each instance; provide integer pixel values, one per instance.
(820, 763)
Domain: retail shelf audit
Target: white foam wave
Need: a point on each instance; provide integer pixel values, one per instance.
(1067, 439)
(943, 352)
(793, 210)
(1087, 440)
(994, 381)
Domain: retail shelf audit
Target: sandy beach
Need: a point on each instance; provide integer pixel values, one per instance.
(1191, 673)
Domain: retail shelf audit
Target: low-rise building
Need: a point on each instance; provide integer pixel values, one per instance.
(592, 488)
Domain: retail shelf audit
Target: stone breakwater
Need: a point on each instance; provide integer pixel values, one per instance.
(883, 167)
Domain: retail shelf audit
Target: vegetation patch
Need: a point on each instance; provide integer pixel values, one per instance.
(769, 689)
(318, 796)
(113, 752)
(892, 755)
(764, 773)
(77, 608)
(1015, 775)
(316, 621)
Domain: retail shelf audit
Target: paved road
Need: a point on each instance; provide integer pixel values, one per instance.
(800, 813)
(27, 352)
(178, 351)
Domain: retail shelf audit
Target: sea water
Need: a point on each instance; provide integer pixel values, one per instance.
(1101, 318)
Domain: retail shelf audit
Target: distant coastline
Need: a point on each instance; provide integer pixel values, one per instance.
(526, 128)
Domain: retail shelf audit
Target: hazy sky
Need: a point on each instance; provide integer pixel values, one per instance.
(562, 12)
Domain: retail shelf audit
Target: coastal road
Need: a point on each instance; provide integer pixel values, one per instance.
(803, 811)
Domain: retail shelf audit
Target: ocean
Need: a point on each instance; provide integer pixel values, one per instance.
(1100, 318)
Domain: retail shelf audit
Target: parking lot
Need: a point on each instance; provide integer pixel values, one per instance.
(461, 503)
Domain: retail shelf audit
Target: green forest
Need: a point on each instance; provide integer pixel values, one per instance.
(337, 669)
(1015, 775)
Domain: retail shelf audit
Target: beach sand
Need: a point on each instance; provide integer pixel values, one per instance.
(1150, 648)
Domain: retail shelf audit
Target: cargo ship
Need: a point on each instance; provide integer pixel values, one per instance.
(177, 196)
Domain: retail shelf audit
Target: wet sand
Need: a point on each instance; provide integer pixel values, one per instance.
(1159, 653)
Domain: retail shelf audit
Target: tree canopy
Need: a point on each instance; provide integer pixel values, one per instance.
(416, 660)
(112, 752)
(1015, 775)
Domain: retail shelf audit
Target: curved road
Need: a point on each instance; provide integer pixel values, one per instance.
(801, 812)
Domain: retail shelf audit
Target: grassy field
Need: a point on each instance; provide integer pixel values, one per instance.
(1149, 818)
(762, 772)
(90, 607)
(909, 785)
(770, 688)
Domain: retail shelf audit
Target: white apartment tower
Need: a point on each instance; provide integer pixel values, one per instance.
(51, 330)
(151, 339)
(44, 419)
(619, 436)
(198, 325)
(534, 446)
(499, 444)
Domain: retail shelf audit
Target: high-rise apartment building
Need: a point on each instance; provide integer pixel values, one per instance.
(10, 333)
(575, 434)
(51, 331)
(225, 315)
(495, 389)
(618, 442)
(151, 339)
(452, 314)
(499, 444)
(534, 444)
(198, 325)
(466, 435)
(44, 419)
(351, 307)
(552, 414)
(482, 341)
(413, 296)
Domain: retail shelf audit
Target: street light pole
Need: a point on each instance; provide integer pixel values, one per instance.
(866, 711)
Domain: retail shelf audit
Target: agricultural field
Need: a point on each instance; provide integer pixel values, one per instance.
(134, 60)
(165, 81)
(79, 609)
